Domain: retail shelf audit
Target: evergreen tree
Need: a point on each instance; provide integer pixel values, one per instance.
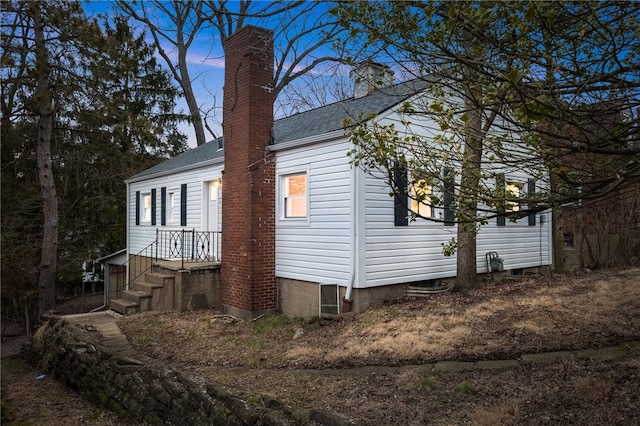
(83, 108)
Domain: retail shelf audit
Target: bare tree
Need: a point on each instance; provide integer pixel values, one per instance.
(302, 30)
(487, 66)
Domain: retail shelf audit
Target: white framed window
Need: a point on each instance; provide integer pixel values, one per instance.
(294, 196)
(172, 207)
(420, 195)
(514, 190)
(145, 211)
(213, 191)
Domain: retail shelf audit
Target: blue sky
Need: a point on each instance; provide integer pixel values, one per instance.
(206, 62)
(206, 67)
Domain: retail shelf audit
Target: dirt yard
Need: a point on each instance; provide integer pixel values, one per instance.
(31, 398)
(344, 365)
(375, 368)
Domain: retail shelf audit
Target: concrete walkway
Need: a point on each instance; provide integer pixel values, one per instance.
(112, 339)
(105, 323)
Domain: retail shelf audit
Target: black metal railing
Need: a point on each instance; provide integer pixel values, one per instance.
(188, 245)
(136, 266)
(184, 245)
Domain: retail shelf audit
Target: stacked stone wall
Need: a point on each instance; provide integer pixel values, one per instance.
(144, 390)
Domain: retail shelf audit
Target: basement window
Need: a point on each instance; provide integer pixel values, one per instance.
(295, 195)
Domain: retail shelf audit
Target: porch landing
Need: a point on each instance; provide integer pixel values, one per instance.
(178, 265)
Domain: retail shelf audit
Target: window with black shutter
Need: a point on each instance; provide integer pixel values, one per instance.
(137, 207)
(183, 204)
(153, 206)
(500, 194)
(531, 190)
(400, 183)
(448, 196)
(163, 206)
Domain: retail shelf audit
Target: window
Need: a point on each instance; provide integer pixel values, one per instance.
(213, 190)
(171, 207)
(514, 191)
(420, 195)
(295, 195)
(145, 213)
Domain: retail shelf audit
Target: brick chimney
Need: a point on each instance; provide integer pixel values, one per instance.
(248, 187)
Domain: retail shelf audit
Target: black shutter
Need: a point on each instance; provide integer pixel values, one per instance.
(449, 188)
(137, 207)
(400, 183)
(183, 204)
(531, 190)
(500, 194)
(163, 206)
(153, 206)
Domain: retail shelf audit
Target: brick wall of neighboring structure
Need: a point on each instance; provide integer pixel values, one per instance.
(248, 188)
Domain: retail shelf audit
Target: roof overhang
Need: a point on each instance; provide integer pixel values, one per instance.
(323, 137)
(117, 258)
(207, 163)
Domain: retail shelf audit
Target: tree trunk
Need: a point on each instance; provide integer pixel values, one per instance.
(190, 97)
(557, 232)
(43, 107)
(194, 113)
(467, 275)
(467, 271)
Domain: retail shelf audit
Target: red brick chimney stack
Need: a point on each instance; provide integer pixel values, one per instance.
(248, 187)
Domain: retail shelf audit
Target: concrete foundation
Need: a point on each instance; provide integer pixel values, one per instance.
(298, 298)
(301, 298)
(195, 288)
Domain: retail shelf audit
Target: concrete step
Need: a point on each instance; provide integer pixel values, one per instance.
(158, 278)
(140, 298)
(146, 287)
(124, 307)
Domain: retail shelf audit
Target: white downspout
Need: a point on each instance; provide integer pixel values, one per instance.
(354, 237)
(127, 234)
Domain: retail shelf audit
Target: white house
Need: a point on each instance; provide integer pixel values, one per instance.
(336, 230)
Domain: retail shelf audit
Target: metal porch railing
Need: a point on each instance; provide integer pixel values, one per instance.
(188, 245)
(184, 245)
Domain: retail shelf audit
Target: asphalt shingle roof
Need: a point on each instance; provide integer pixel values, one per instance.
(317, 121)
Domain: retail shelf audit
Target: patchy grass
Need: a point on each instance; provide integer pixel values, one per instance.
(502, 321)
(466, 387)
(314, 364)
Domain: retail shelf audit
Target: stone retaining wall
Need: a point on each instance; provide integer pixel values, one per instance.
(141, 390)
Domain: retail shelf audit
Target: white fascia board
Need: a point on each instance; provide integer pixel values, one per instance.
(323, 137)
(196, 166)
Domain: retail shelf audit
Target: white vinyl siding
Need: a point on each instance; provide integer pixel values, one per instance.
(397, 255)
(141, 236)
(400, 254)
(316, 249)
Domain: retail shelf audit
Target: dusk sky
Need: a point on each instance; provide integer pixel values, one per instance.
(206, 61)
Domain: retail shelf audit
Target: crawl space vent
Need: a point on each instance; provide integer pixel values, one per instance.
(329, 296)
